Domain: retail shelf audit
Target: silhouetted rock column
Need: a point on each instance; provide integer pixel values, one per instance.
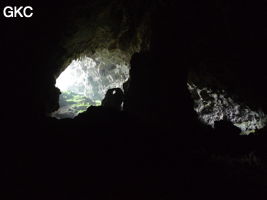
(113, 99)
(158, 78)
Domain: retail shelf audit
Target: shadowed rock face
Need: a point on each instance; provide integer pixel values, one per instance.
(109, 35)
(108, 31)
(155, 148)
(115, 30)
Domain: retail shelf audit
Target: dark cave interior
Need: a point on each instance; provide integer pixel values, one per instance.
(145, 140)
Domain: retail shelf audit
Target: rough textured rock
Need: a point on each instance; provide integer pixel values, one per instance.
(155, 149)
(110, 31)
(85, 82)
(215, 105)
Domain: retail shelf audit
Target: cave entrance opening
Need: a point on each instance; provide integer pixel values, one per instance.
(85, 82)
(216, 105)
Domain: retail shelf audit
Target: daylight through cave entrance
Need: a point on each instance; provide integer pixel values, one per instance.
(212, 106)
(85, 82)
